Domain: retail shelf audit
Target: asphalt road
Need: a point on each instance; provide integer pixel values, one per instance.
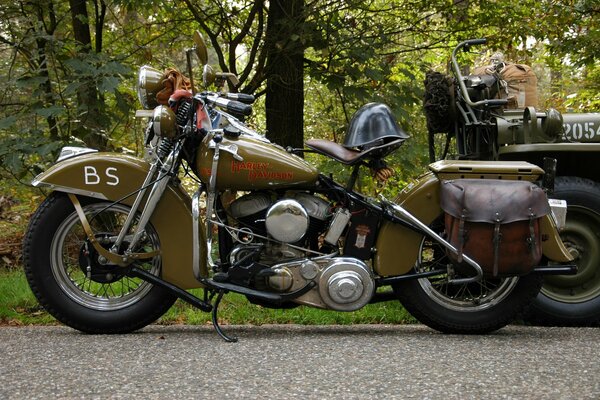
(295, 362)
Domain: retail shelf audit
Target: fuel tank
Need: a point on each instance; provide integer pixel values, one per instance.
(247, 163)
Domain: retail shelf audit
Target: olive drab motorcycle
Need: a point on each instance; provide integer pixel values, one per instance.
(118, 239)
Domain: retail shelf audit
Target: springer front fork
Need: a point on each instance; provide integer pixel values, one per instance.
(157, 189)
(156, 181)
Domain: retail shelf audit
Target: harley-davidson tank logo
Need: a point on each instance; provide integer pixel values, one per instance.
(237, 166)
(260, 171)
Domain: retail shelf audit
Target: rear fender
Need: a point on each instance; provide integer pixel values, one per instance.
(398, 247)
(117, 177)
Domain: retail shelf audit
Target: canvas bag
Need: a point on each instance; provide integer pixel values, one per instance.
(521, 83)
(495, 222)
(518, 80)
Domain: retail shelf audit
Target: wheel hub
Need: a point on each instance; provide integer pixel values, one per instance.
(96, 267)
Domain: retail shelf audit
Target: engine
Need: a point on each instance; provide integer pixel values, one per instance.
(298, 219)
(343, 283)
(274, 234)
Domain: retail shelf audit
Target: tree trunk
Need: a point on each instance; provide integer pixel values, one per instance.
(81, 24)
(92, 127)
(285, 79)
(42, 63)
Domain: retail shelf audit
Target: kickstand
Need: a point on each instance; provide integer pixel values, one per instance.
(216, 322)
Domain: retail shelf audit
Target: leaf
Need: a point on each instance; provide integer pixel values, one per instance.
(108, 84)
(124, 102)
(374, 74)
(407, 73)
(52, 111)
(14, 163)
(30, 82)
(7, 122)
(73, 87)
(79, 66)
(114, 68)
(48, 148)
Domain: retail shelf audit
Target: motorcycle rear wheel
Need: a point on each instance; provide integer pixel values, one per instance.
(474, 308)
(73, 283)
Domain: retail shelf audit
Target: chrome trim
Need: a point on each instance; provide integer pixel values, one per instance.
(559, 212)
(154, 197)
(210, 204)
(407, 216)
(73, 151)
(231, 148)
(196, 234)
(256, 235)
(144, 113)
(287, 221)
(134, 208)
(243, 127)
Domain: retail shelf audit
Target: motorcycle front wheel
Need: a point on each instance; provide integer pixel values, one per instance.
(74, 283)
(473, 308)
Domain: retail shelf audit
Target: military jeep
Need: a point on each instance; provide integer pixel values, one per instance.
(487, 116)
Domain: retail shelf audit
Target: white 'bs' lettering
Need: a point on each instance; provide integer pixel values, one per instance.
(92, 178)
(115, 179)
(91, 175)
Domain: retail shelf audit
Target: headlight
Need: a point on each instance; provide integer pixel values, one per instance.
(149, 84)
(164, 122)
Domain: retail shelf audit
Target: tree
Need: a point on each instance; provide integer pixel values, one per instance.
(90, 108)
(285, 73)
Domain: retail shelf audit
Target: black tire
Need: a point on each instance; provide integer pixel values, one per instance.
(574, 300)
(107, 303)
(474, 308)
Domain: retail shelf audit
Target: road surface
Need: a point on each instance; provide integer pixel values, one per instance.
(299, 362)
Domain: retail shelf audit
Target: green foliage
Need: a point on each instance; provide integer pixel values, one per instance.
(356, 51)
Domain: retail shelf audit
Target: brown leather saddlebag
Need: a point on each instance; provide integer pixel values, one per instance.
(495, 222)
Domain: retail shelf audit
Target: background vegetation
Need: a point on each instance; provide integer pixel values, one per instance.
(68, 72)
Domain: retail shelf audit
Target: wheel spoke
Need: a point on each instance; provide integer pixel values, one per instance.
(465, 297)
(109, 288)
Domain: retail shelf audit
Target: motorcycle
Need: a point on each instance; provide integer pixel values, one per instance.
(118, 239)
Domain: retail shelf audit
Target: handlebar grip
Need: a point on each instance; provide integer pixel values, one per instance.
(242, 97)
(473, 42)
(236, 107)
(495, 103)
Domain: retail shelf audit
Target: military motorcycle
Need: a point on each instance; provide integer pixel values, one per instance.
(118, 239)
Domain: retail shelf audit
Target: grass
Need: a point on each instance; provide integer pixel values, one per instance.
(235, 309)
(18, 306)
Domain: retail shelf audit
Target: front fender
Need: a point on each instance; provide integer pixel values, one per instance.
(112, 177)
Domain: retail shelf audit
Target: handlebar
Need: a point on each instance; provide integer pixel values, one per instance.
(231, 106)
(243, 97)
(472, 42)
(461, 83)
